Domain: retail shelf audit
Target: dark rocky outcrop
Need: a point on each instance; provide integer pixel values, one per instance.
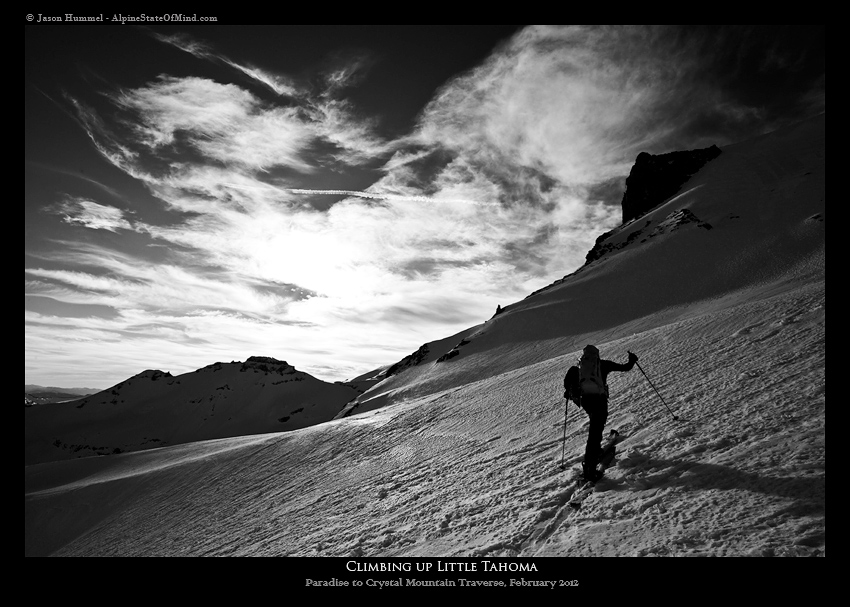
(154, 374)
(454, 351)
(409, 361)
(600, 247)
(654, 179)
(267, 364)
(671, 223)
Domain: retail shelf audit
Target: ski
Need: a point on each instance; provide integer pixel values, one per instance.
(609, 450)
(582, 492)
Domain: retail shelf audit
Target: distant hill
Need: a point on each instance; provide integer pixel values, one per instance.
(34, 389)
(155, 408)
(43, 398)
(41, 395)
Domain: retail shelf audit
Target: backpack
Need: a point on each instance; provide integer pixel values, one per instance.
(590, 373)
(571, 385)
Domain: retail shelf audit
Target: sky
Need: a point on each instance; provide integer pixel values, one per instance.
(336, 196)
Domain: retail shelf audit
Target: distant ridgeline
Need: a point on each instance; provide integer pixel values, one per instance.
(654, 179)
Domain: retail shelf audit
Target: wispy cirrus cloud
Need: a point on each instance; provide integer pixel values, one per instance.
(222, 122)
(91, 214)
(278, 84)
(185, 286)
(502, 185)
(480, 225)
(327, 116)
(575, 103)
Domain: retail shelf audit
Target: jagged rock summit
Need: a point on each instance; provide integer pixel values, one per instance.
(654, 178)
(152, 374)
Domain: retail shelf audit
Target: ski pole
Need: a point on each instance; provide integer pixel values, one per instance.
(676, 417)
(564, 443)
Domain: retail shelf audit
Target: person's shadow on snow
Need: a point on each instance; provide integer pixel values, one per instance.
(808, 493)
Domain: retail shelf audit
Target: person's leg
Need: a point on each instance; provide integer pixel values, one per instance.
(597, 410)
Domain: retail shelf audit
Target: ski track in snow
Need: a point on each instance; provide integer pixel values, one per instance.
(475, 471)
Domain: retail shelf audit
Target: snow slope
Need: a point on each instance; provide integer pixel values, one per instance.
(461, 458)
(760, 210)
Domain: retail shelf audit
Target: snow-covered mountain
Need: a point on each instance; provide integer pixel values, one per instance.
(748, 224)
(458, 452)
(155, 409)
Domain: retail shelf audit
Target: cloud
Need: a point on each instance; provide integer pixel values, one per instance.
(575, 103)
(349, 71)
(278, 84)
(481, 230)
(376, 195)
(91, 214)
(323, 115)
(221, 121)
(509, 175)
(123, 281)
(354, 138)
(578, 103)
(106, 142)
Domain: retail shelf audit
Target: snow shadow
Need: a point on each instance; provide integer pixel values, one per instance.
(809, 492)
